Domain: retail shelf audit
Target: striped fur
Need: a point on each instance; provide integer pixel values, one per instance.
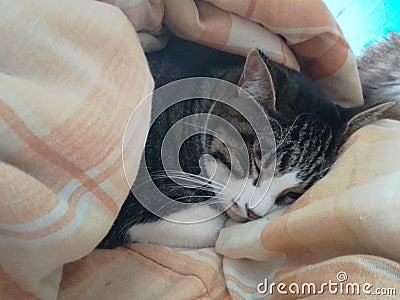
(309, 131)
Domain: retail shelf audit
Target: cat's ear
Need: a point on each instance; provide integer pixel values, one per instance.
(357, 117)
(257, 81)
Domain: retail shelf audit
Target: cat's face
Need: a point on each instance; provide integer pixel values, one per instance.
(270, 181)
(308, 133)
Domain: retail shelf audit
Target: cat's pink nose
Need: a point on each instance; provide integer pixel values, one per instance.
(250, 214)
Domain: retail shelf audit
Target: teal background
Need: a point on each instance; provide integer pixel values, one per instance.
(365, 21)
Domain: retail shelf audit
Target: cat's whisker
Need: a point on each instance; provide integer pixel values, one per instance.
(196, 184)
(194, 176)
(322, 171)
(185, 182)
(129, 223)
(173, 202)
(191, 197)
(190, 174)
(196, 179)
(176, 187)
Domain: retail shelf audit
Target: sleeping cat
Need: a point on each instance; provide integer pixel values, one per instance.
(308, 131)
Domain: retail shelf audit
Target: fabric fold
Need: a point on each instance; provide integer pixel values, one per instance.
(71, 75)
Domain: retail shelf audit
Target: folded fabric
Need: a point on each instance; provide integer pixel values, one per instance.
(68, 86)
(71, 75)
(345, 230)
(300, 34)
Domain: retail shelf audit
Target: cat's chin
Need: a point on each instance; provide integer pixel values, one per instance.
(234, 216)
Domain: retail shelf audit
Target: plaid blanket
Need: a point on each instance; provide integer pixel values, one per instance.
(72, 73)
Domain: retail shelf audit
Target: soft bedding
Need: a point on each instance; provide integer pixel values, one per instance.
(72, 73)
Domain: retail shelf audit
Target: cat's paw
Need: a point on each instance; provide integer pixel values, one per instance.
(184, 233)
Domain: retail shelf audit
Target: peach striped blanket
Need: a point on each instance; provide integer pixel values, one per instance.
(72, 73)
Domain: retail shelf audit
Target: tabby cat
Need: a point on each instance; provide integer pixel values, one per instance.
(308, 130)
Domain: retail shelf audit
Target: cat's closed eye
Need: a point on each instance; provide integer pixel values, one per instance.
(287, 197)
(233, 161)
